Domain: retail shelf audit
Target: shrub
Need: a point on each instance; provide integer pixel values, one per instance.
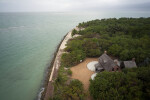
(94, 53)
(74, 32)
(74, 45)
(69, 72)
(124, 55)
(73, 58)
(115, 50)
(134, 83)
(74, 91)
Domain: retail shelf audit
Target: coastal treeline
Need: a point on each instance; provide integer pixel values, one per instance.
(130, 84)
(66, 88)
(123, 38)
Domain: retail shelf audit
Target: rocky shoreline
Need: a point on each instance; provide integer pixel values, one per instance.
(53, 68)
(55, 64)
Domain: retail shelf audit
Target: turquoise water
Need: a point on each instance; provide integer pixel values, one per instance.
(27, 44)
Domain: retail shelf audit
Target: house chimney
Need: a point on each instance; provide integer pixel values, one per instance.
(116, 62)
(133, 59)
(105, 52)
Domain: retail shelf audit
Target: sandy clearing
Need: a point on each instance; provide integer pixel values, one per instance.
(82, 73)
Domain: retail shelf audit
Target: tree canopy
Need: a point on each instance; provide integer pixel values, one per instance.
(131, 84)
(124, 38)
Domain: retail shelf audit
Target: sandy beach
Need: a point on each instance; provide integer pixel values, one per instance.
(56, 64)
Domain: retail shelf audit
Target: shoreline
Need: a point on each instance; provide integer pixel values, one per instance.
(54, 66)
(48, 72)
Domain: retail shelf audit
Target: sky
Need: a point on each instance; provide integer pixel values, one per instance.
(73, 5)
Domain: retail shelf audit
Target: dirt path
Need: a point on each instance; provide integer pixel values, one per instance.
(82, 73)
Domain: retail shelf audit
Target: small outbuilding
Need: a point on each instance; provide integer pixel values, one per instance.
(129, 64)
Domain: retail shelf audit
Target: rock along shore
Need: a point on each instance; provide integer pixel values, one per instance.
(54, 66)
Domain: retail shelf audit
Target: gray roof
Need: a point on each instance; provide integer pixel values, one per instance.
(106, 62)
(129, 64)
(98, 66)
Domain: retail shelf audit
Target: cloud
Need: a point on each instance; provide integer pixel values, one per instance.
(73, 5)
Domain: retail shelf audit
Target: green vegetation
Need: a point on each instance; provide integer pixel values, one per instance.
(69, 72)
(73, 58)
(65, 88)
(125, 38)
(74, 91)
(131, 84)
(74, 32)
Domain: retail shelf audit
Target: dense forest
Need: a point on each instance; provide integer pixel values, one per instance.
(124, 39)
(130, 84)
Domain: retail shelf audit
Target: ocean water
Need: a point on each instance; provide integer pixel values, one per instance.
(27, 44)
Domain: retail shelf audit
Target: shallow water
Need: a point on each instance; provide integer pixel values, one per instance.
(27, 44)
